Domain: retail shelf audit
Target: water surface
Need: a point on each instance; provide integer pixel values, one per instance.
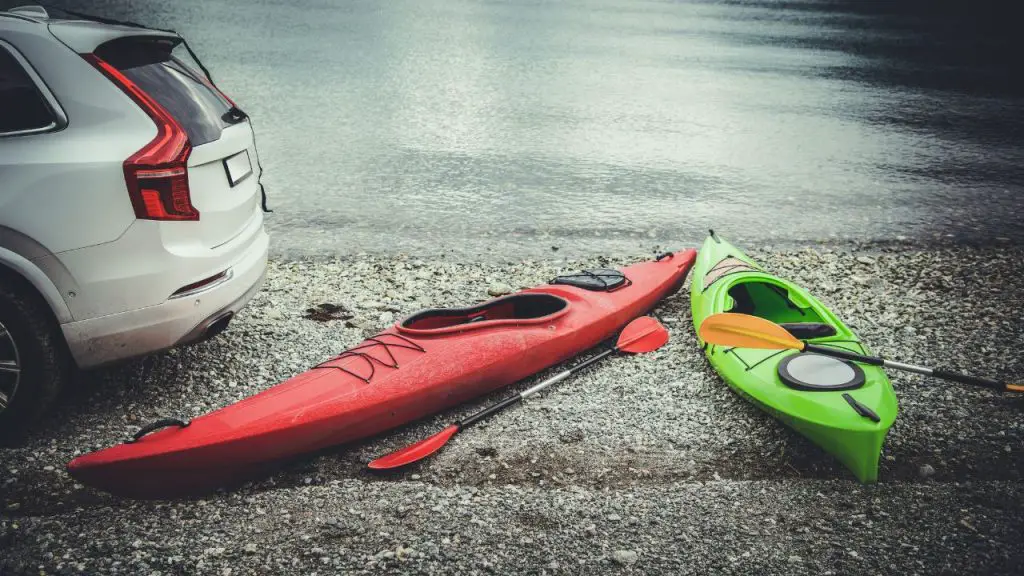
(597, 126)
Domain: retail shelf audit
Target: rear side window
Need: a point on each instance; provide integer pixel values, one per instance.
(155, 66)
(24, 109)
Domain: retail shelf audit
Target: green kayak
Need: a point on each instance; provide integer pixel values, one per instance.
(843, 407)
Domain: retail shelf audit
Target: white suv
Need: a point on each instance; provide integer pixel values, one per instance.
(130, 212)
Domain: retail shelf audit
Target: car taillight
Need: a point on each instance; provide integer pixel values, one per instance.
(156, 175)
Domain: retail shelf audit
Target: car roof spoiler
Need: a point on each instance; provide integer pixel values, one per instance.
(83, 33)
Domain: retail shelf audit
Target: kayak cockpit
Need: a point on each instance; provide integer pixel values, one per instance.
(770, 301)
(773, 302)
(518, 309)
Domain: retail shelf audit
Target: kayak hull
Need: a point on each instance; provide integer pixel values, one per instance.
(725, 279)
(430, 361)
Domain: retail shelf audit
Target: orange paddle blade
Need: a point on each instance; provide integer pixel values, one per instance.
(645, 334)
(745, 331)
(415, 452)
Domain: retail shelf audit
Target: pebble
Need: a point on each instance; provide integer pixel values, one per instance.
(866, 260)
(926, 471)
(869, 281)
(499, 289)
(625, 557)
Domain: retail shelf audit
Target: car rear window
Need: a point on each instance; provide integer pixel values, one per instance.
(158, 67)
(23, 108)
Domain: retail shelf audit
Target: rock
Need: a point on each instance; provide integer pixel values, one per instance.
(795, 559)
(326, 312)
(614, 517)
(386, 317)
(499, 289)
(573, 436)
(869, 281)
(356, 323)
(926, 471)
(273, 314)
(867, 260)
(625, 557)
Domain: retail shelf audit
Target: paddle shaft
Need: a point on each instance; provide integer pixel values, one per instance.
(495, 408)
(934, 372)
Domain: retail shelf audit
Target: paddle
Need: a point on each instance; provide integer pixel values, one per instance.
(644, 334)
(745, 331)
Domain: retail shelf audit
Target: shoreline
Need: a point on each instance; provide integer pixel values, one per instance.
(651, 466)
(635, 251)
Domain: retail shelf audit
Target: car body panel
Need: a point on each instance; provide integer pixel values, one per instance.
(173, 322)
(225, 210)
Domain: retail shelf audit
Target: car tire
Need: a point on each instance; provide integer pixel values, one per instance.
(42, 360)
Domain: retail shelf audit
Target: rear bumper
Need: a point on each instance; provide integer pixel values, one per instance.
(177, 321)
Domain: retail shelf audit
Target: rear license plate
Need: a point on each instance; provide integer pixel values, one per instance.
(238, 167)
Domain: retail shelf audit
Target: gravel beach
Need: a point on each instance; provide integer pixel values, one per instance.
(642, 465)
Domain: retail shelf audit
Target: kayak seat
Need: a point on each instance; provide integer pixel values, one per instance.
(809, 330)
(516, 307)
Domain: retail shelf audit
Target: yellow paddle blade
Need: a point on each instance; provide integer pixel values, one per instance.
(745, 331)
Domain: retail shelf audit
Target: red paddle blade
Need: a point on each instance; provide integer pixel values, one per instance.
(414, 452)
(645, 334)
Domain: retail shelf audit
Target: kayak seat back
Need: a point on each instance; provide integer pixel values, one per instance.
(518, 307)
(809, 330)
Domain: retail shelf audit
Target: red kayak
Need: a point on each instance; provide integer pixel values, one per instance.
(430, 361)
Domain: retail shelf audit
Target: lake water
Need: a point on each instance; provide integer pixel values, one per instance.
(508, 128)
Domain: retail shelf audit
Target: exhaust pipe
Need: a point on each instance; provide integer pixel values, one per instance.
(217, 326)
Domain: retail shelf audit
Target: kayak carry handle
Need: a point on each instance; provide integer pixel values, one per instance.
(154, 426)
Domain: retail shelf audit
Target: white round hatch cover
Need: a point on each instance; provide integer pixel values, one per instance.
(817, 372)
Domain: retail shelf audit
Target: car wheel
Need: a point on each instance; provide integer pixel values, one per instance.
(34, 363)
